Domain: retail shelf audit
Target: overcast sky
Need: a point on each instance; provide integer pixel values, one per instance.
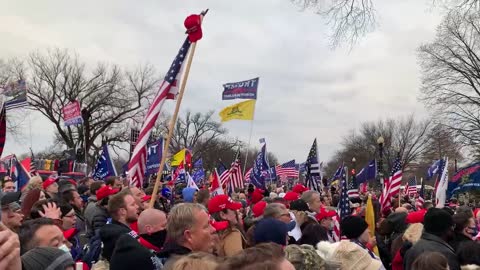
(306, 89)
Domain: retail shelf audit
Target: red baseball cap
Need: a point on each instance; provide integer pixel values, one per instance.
(48, 182)
(146, 198)
(416, 217)
(105, 191)
(193, 23)
(219, 225)
(221, 202)
(259, 208)
(291, 196)
(324, 213)
(299, 188)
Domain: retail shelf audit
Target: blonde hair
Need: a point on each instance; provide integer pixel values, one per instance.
(34, 182)
(413, 233)
(194, 261)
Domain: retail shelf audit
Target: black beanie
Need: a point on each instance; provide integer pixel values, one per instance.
(437, 221)
(352, 226)
(46, 258)
(127, 248)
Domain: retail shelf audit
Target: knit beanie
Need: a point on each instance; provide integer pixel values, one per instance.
(50, 258)
(271, 230)
(352, 226)
(353, 257)
(437, 221)
(304, 257)
(65, 208)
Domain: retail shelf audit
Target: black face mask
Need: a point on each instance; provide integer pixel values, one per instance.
(157, 238)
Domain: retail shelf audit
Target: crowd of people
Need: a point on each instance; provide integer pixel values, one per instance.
(61, 224)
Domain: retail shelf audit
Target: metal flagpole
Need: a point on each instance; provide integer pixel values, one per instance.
(248, 145)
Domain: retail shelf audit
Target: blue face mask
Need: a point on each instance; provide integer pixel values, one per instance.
(473, 231)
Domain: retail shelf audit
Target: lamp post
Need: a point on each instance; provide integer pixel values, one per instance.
(380, 142)
(353, 172)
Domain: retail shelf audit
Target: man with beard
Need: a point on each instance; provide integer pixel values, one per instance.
(124, 210)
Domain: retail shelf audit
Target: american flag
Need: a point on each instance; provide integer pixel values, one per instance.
(411, 187)
(247, 175)
(312, 167)
(168, 90)
(336, 229)
(287, 170)
(223, 172)
(352, 189)
(344, 203)
(236, 177)
(421, 196)
(385, 198)
(395, 177)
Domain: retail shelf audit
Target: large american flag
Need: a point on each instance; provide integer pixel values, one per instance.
(411, 187)
(395, 177)
(247, 175)
(168, 90)
(223, 173)
(385, 199)
(287, 170)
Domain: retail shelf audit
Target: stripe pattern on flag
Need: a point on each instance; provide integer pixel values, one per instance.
(168, 90)
(287, 170)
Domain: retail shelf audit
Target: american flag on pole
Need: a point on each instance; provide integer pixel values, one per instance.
(247, 175)
(411, 187)
(421, 196)
(336, 229)
(168, 90)
(223, 173)
(385, 198)
(395, 177)
(312, 167)
(352, 189)
(236, 177)
(287, 170)
(344, 203)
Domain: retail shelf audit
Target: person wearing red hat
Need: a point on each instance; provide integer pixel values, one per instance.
(232, 240)
(50, 187)
(299, 188)
(325, 219)
(291, 196)
(100, 214)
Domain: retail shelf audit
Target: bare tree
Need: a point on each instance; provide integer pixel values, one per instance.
(349, 19)
(406, 136)
(108, 96)
(451, 75)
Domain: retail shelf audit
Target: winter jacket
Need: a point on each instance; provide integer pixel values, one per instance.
(172, 250)
(458, 239)
(230, 244)
(99, 218)
(109, 235)
(428, 243)
(127, 247)
(88, 210)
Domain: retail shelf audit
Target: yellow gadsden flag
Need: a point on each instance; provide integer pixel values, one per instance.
(240, 111)
(370, 219)
(178, 158)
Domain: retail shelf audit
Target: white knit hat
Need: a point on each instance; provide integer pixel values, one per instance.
(354, 257)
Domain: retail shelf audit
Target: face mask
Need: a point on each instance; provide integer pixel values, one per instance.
(64, 248)
(473, 231)
(157, 238)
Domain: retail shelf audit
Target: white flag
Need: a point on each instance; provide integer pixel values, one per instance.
(441, 194)
(191, 183)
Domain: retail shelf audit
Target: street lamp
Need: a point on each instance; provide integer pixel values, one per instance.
(354, 174)
(380, 142)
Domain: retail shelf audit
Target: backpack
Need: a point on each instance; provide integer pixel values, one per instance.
(92, 250)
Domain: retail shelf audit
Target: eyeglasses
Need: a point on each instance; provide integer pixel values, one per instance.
(70, 216)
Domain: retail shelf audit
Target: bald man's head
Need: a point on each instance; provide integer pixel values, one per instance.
(151, 221)
(401, 210)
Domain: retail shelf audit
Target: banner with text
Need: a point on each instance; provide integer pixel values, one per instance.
(72, 115)
(241, 90)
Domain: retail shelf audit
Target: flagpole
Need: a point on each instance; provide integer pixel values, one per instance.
(173, 121)
(248, 146)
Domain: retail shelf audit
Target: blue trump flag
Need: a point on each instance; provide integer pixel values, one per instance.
(260, 168)
(198, 171)
(243, 90)
(435, 168)
(154, 156)
(104, 167)
(367, 173)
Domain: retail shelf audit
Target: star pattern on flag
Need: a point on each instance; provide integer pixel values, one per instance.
(344, 204)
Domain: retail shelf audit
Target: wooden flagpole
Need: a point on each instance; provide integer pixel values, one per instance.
(174, 119)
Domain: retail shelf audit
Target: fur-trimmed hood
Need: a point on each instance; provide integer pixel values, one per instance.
(470, 267)
(326, 249)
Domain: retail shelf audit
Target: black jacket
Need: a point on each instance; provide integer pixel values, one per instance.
(100, 217)
(171, 249)
(109, 235)
(127, 248)
(428, 243)
(458, 239)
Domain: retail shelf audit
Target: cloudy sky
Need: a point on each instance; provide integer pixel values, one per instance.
(307, 90)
